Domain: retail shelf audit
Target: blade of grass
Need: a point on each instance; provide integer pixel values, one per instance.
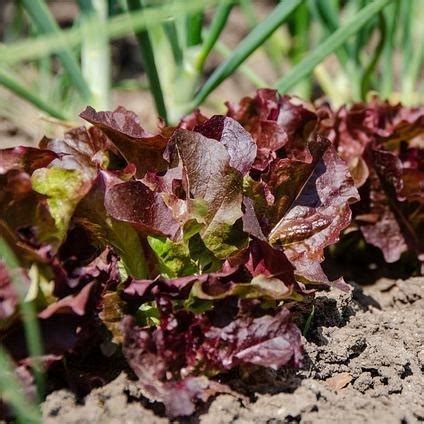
(308, 322)
(370, 68)
(12, 393)
(218, 23)
(15, 24)
(251, 75)
(390, 15)
(29, 317)
(40, 14)
(148, 57)
(271, 49)
(407, 8)
(411, 87)
(17, 88)
(116, 27)
(246, 47)
(329, 18)
(95, 52)
(194, 23)
(172, 34)
(332, 43)
(301, 45)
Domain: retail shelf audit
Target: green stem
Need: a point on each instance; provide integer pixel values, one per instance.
(194, 29)
(95, 52)
(12, 392)
(146, 50)
(172, 35)
(332, 43)
(131, 85)
(390, 15)
(29, 316)
(361, 37)
(301, 41)
(17, 88)
(329, 18)
(410, 89)
(40, 14)
(369, 69)
(271, 49)
(218, 23)
(248, 72)
(407, 19)
(246, 47)
(327, 85)
(116, 27)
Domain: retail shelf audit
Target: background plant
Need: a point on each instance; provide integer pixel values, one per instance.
(342, 49)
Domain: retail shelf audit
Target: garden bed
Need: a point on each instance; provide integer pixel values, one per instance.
(364, 363)
(253, 262)
(157, 288)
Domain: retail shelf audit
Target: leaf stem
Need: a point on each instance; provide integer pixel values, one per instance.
(390, 15)
(172, 35)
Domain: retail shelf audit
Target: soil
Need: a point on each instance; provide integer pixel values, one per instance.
(364, 363)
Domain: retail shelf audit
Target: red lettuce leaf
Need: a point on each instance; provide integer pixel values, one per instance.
(380, 227)
(169, 358)
(26, 159)
(315, 217)
(136, 145)
(76, 304)
(214, 191)
(308, 207)
(135, 203)
(382, 144)
(92, 215)
(82, 149)
(274, 122)
(238, 142)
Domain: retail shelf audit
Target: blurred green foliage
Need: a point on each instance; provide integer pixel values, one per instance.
(343, 49)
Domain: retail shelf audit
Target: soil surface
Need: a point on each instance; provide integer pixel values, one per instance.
(364, 363)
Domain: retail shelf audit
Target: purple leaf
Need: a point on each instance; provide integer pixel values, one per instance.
(168, 359)
(135, 144)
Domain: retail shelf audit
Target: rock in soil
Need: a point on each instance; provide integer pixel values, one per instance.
(364, 364)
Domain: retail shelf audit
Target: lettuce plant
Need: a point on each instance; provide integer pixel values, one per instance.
(188, 251)
(382, 145)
